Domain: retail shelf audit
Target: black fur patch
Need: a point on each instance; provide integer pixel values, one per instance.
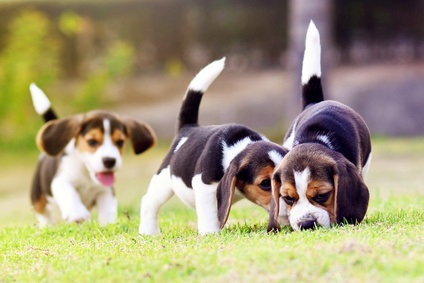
(202, 153)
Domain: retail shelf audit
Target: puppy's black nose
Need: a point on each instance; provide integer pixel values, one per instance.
(109, 162)
(308, 224)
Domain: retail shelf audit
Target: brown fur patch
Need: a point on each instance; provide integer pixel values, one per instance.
(254, 192)
(118, 139)
(90, 141)
(40, 204)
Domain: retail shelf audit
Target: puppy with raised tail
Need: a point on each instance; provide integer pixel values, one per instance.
(210, 167)
(320, 181)
(80, 156)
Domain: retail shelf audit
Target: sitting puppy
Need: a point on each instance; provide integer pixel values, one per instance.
(83, 151)
(320, 181)
(206, 163)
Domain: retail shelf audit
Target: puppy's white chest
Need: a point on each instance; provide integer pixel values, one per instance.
(89, 193)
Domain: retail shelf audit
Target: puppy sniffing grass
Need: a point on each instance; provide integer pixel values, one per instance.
(320, 181)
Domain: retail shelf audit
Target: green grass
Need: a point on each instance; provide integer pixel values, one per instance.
(388, 246)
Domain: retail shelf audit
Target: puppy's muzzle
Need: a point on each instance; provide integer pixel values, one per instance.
(109, 162)
(308, 221)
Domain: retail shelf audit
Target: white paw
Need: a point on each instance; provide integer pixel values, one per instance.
(208, 229)
(78, 215)
(144, 229)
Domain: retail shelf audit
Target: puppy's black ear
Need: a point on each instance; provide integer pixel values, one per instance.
(352, 195)
(273, 225)
(225, 192)
(141, 135)
(53, 137)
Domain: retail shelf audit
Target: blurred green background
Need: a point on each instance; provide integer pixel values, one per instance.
(137, 57)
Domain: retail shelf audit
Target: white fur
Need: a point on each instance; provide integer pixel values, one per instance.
(159, 192)
(303, 209)
(229, 152)
(275, 157)
(184, 193)
(107, 207)
(163, 186)
(180, 143)
(325, 140)
(366, 166)
(289, 142)
(206, 206)
(207, 75)
(39, 99)
(312, 57)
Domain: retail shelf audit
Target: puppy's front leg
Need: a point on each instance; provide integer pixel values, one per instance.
(69, 201)
(159, 192)
(107, 207)
(206, 206)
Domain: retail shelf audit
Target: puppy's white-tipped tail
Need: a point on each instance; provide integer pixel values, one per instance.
(39, 99)
(207, 75)
(312, 57)
(189, 112)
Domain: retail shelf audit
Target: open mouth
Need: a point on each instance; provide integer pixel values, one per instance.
(107, 179)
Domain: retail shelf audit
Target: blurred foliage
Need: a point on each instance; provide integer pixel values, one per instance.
(33, 53)
(116, 63)
(70, 23)
(30, 55)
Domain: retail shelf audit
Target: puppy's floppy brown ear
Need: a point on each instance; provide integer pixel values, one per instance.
(352, 195)
(273, 225)
(225, 192)
(53, 137)
(141, 135)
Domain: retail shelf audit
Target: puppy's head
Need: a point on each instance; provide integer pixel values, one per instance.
(97, 138)
(319, 187)
(250, 172)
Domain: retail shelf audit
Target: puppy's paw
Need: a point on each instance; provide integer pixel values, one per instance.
(148, 230)
(77, 215)
(208, 229)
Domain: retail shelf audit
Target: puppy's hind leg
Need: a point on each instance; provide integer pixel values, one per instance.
(206, 206)
(159, 192)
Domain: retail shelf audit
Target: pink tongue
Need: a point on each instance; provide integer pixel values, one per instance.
(106, 178)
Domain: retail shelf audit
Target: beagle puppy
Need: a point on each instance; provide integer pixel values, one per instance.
(81, 154)
(210, 167)
(320, 181)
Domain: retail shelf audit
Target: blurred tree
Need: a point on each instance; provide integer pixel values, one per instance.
(116, 63)
(31, 54)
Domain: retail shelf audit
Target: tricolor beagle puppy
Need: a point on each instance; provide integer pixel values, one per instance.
(210, 167)
(80, 155)
(320, 181)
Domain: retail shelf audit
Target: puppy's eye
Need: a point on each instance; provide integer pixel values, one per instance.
(265, 185)
(92, 142)
(322, 198)
(119, 143)
(288, 200)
